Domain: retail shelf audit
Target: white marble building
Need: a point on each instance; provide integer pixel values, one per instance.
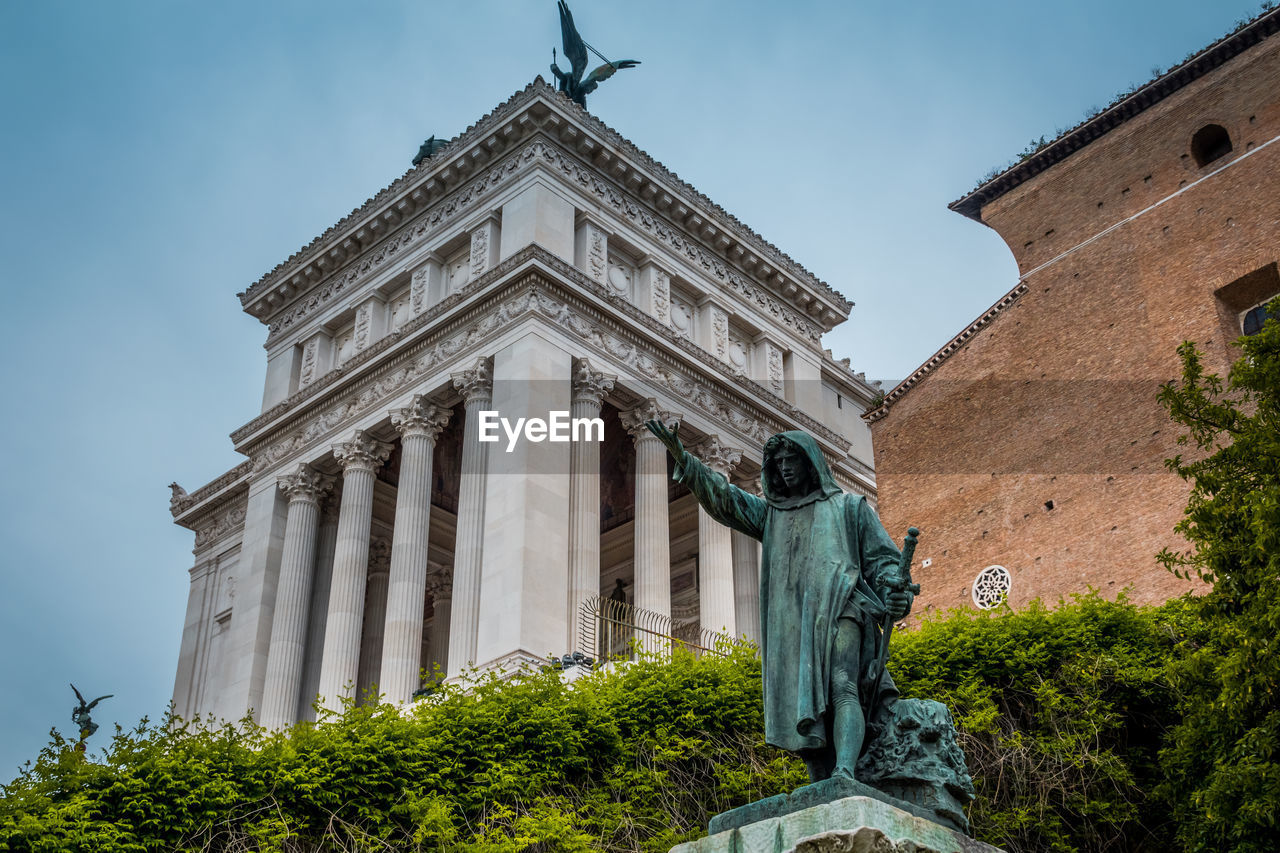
(539, 263)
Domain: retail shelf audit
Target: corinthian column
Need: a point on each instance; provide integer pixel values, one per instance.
(476, 387)
(652, 531)
(418, 425)
(375, 617)
(746, 576)
(715, 550)
(589, 388)
(280, 694)
(340, 664)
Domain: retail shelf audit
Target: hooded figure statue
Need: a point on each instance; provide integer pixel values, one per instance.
(824, 558)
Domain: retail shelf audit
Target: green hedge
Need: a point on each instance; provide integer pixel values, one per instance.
(1061, 712)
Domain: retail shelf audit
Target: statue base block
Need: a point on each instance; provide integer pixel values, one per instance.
(803, 822)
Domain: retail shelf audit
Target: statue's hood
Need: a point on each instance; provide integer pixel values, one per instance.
(774, 490)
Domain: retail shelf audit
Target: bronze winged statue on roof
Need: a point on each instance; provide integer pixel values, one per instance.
(80, 714)
(573, 83)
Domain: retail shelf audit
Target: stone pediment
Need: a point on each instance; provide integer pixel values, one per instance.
(383, 226)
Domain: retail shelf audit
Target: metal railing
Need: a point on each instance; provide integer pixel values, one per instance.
(613, 630)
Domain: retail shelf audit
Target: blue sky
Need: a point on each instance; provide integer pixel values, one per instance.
(157, 157)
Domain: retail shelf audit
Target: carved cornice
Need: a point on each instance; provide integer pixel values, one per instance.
(178, 505)
(305, 484)
(362, 453)
(476, 383)
(590, 386)
(419, 232)
(420, 417)
(388, 222)
(342, 398)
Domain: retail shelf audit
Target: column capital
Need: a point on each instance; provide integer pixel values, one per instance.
(380, 556)
(420, 417)
(475, 384)
(440, 586)
(590, 385)
(717, 457)
(634, 420)
(363, 451)
(305, 484)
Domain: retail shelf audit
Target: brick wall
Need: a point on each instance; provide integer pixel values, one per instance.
(1038, 445)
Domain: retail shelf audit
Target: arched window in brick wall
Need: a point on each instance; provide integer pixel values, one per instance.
(1210, 143)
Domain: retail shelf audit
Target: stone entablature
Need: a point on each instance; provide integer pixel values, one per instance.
(437, 191)
(515, 290)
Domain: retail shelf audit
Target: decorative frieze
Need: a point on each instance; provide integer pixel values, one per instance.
(224, 523)
(605, 336)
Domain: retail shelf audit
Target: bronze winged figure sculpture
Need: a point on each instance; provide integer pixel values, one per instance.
(573, 83)
(80, 714)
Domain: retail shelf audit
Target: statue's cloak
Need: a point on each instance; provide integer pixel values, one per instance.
(821, 560)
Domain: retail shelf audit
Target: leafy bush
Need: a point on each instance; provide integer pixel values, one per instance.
(1222, 763)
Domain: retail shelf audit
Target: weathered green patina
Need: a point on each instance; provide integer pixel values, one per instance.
(831, 582)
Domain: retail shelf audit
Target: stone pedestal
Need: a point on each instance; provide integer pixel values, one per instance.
(790, 823)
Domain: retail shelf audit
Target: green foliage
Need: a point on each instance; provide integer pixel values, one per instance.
(1060, 713)
(631, 760)
(1223, 759)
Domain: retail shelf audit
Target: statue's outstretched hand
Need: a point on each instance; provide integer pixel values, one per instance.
(669, 437)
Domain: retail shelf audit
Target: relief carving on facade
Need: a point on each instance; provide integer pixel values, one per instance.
(597, 246)
(418, 289)
(425, 226)
(225, 522)
(479, 258)
(562, 314)
(363, 324)
(773, 357)
(661, 295)
(308, 372)
(719, 331)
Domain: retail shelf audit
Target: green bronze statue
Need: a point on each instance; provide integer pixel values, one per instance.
(80, 716)
(575, 50)
(832, 583)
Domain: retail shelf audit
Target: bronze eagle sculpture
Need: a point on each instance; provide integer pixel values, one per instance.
(573, 83)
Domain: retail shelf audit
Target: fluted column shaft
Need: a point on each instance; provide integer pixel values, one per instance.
(652, 530)
(746, 585)
(374, 622)
(418, 424)
(476, 386)
(339, 666)
(589, 388)
(441, 607)
(715, 552)
(293, 597)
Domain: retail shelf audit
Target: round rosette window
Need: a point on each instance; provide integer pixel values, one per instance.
(991, 587)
